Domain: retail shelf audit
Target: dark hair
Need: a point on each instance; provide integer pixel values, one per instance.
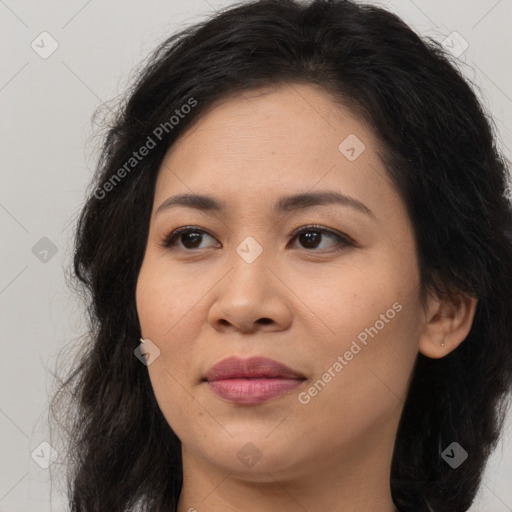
(439, 148)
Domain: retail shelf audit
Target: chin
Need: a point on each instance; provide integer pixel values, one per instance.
(252, 460)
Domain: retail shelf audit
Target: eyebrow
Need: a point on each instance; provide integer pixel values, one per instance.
(283, 204)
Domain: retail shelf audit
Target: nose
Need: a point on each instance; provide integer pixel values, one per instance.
(250, 297)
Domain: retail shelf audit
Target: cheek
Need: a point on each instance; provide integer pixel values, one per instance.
(151, 305)
(353, 295)
(164, 298)
(372, 312)
(168, 309)
(163, 319)
(362, 378)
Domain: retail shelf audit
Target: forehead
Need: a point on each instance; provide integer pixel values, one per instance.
(256, 143)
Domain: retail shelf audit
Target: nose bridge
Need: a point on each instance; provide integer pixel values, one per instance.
(251, 251)
(248, 264)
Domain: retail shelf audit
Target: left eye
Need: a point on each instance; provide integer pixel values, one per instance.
(309, 236)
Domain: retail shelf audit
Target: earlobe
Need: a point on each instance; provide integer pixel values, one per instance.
(448, 322)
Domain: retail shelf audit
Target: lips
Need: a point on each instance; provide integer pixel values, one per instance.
(251, 381)
(252, 368)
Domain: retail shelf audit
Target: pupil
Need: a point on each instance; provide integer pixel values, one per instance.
(193, 237)
(309, 238)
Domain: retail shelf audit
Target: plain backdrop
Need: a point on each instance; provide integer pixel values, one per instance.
(48, 157)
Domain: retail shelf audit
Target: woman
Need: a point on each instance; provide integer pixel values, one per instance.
(301, 212)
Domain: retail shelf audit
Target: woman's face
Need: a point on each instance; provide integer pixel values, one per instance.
(340, 307)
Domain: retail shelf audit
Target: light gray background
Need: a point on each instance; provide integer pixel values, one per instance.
(47, 159)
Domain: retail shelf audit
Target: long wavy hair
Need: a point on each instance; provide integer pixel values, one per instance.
(439, 147)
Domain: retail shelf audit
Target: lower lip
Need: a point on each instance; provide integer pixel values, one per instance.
(253, 391)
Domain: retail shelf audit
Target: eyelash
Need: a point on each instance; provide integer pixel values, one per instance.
(344, 241)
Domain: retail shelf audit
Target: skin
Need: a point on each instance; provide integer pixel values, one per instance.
(202, 303)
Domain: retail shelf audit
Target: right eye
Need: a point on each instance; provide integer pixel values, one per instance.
(190, 238)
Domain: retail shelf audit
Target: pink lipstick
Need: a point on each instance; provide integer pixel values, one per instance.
(251, 381)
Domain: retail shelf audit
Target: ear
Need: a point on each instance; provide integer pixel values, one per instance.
(448, 322)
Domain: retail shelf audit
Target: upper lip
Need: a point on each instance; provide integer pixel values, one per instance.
(253, 367)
